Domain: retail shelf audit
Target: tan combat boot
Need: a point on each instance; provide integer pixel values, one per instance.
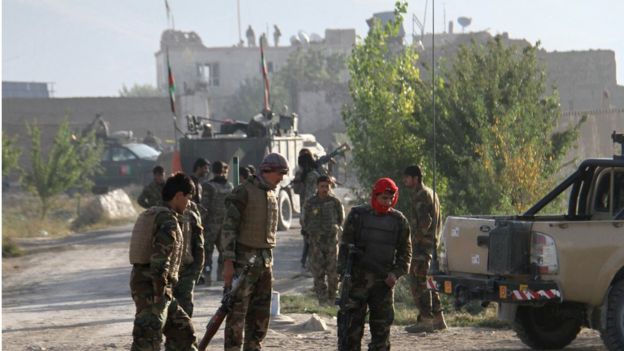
(438, 321)
(424, 325)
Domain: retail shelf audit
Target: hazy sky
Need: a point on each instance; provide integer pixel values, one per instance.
(92, 48)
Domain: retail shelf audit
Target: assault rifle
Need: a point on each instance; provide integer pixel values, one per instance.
(226, 306)
(344, 313)
(339, 151)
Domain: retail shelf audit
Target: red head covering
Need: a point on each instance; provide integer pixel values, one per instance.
(383, 185)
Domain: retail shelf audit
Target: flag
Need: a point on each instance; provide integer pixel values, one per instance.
(171, 85)
(265, 76)
(168, 9)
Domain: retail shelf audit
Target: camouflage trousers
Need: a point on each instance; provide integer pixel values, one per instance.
(152, 320)
(183, 290)
(211, 237)
(427, 301)
(251, 311)
(372, 293)
(323, 261)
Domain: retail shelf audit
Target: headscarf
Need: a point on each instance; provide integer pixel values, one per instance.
(383, 185)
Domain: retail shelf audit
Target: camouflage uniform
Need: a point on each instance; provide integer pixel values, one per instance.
(151, 195)
(156, 279)
(213, 200)
(192, 259)
(385, 246)
(249, 230)
(424, 218)
(309, 190)
(323, 224)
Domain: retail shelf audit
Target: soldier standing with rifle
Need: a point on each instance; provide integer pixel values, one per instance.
(156, 249)
(249, 230)
(213, 200)
(424, 218)
(381, 236)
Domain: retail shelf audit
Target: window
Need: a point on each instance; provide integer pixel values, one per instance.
(603, 192)
(618, 193)
(209, 73)
(121, 154)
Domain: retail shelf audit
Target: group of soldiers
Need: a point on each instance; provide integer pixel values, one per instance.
(190, 218)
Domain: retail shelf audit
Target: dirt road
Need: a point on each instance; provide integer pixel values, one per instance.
(73, 294)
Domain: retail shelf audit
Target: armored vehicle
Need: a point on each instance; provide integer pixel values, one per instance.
(249, 142)
(550, 274)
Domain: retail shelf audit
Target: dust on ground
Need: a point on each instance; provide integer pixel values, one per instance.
(73, 294)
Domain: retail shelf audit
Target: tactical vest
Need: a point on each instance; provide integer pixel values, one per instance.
(141, 246)
(259, 219)
(323, 216)
(216, 208)
(378, 239)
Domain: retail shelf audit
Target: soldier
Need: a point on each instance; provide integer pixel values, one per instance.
(243, 173)
(152, 193)
(192, 259)
(306, 176)
(382, 236)
(424, 218)
(200, 170)
(213, 200)
(323, 224)
(156, 253)
(249, 230)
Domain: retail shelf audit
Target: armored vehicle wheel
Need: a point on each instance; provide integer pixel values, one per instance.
(549, 327)
(284, 217)
(613, 332)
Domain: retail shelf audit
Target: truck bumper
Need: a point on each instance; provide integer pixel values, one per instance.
(494, 289)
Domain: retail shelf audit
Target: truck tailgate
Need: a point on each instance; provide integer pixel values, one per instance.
(463, 253)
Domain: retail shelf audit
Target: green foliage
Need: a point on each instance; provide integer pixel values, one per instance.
(498, 148)
(10, 155)
(140, 90)
(386, 92)
(70, 163)
(307, 69)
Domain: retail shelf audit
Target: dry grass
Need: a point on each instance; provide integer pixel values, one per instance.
(21, 217)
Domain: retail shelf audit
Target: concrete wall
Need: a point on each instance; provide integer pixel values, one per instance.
(595, 139)
(136, 114)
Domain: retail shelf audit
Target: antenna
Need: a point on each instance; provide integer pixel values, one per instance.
(240, 36)
(435, 267)
(444, 22)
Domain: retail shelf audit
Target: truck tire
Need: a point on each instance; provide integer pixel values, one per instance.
(547, 327)
(613, 332)
(284, 216)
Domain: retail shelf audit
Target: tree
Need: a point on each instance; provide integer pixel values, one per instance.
(497, 144)
(386, 92)
(247, 101)
(70, 163)
(10, 155)
(306, 69)
(140, 90)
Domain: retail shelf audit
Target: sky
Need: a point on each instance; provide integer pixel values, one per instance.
(94, 47)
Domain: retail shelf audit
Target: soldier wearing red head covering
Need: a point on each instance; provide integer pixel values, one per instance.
(381, 235)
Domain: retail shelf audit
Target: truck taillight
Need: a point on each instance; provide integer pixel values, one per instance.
(544, 253)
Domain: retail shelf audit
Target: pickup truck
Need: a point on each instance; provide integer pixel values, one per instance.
(550, 275)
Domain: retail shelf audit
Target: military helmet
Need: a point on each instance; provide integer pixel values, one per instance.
(274, 162)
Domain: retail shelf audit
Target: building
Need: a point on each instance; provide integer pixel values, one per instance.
(27, 90)
(208, 76)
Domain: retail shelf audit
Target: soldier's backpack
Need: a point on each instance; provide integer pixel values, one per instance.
(143, 234)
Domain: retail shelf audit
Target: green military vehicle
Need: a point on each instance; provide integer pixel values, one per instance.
(249, 142)
(549, 274)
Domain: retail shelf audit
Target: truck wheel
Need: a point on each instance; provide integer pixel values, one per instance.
(613, 332)
(284, 217)
(547, 327)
